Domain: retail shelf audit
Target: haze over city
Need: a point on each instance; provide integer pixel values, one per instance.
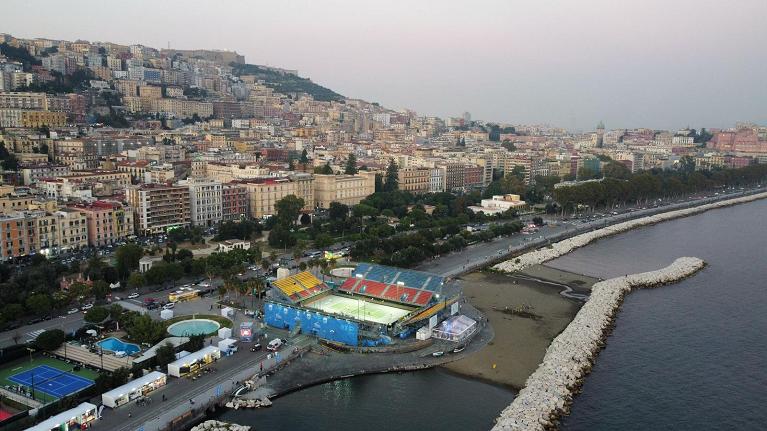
(411, 215)
(657, 64)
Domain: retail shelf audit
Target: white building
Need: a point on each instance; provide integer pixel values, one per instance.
(437, 180)
(499, 204)
(206, 199)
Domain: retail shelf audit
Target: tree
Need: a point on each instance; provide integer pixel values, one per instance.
(379, 185)
(323, 240)
(351, 165)
(508, 145)
(392, 177)
(136, 280)
(100, 289)
(280, 237)
(196, 342)
(50, 340)
(304, 159)
(144, 329)
(127, 257)
(324, 169)
(687, 164)
(288, 209)
(617, 170)
(96, 315)
(12, 311)
(184, 254)
(291, 165)
(338, 211)
(38, 304)
(165, 354)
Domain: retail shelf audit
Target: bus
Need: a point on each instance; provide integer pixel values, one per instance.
(183, 295)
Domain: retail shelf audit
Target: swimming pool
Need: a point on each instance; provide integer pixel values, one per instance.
(186, 328)
(116, 345)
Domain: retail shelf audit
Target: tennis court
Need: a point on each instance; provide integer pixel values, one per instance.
(51, 381)
(358, 309)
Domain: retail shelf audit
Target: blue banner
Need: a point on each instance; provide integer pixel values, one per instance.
(312, 322)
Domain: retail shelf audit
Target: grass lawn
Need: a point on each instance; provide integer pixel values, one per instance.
(22, 365)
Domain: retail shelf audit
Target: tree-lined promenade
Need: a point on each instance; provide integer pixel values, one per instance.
(649, 185)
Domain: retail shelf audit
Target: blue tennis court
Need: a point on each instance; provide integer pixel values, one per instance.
(51, 380)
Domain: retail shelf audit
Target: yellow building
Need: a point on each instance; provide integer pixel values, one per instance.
(35, 119)
(345, 189)
(414, 180)
(149, 92)
(263, 193)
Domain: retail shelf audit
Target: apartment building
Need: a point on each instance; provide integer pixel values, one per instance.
(15, 232)
(36, 119)
(206, 202)
(28, 101)
(32, 173)
(414, 180)
(437, 179)
(107, 222)
(234, 202)
(72, 229)
(158, 207)
(345, 189)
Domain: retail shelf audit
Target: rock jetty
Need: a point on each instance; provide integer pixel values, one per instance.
(549, 391)
(563, 247)
(219, 426)
(249, 403)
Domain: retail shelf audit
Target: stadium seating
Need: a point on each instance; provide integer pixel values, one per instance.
(393, 284)
(300, 286)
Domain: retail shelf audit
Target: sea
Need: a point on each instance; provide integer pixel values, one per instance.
(690, 356)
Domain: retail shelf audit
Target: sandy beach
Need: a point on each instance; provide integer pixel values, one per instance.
(521, 338)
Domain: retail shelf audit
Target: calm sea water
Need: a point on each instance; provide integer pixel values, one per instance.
(691, 356)
(424, 400)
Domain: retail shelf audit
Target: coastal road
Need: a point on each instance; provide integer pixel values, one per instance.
(481, 254)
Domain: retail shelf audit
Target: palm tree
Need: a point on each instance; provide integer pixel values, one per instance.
(265, 264)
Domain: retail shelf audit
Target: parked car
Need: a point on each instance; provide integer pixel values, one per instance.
(169, 306)
(133, 295)
(73, 311)
(274, 345)
(86, 307)
(437, 354)
(152, 306)
(256, 347)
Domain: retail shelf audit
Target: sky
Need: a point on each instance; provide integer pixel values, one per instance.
(663, 64)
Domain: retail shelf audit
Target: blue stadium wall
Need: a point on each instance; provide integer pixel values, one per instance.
(312, 322)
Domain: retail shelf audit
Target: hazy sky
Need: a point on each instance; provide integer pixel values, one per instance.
(648, 63)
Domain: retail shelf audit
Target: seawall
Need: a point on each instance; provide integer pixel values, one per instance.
(567, 245)
(548, 392)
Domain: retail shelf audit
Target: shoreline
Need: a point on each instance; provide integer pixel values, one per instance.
(549, 391)
(567, 245)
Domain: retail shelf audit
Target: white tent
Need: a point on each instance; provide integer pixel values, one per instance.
(166, 314)
(193, 361)
(133, 389)
(84, 413)
(455, 328)
(227, 311)
(225, 333)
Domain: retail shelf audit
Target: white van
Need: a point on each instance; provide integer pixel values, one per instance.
(274, 345)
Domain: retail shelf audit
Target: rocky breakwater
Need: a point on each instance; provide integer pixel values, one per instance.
(549, 391)
(219, 426)
(563, 247)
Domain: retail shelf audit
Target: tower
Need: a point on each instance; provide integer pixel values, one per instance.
(600, 134)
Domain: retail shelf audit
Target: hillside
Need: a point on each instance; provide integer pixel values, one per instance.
(286, 83)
